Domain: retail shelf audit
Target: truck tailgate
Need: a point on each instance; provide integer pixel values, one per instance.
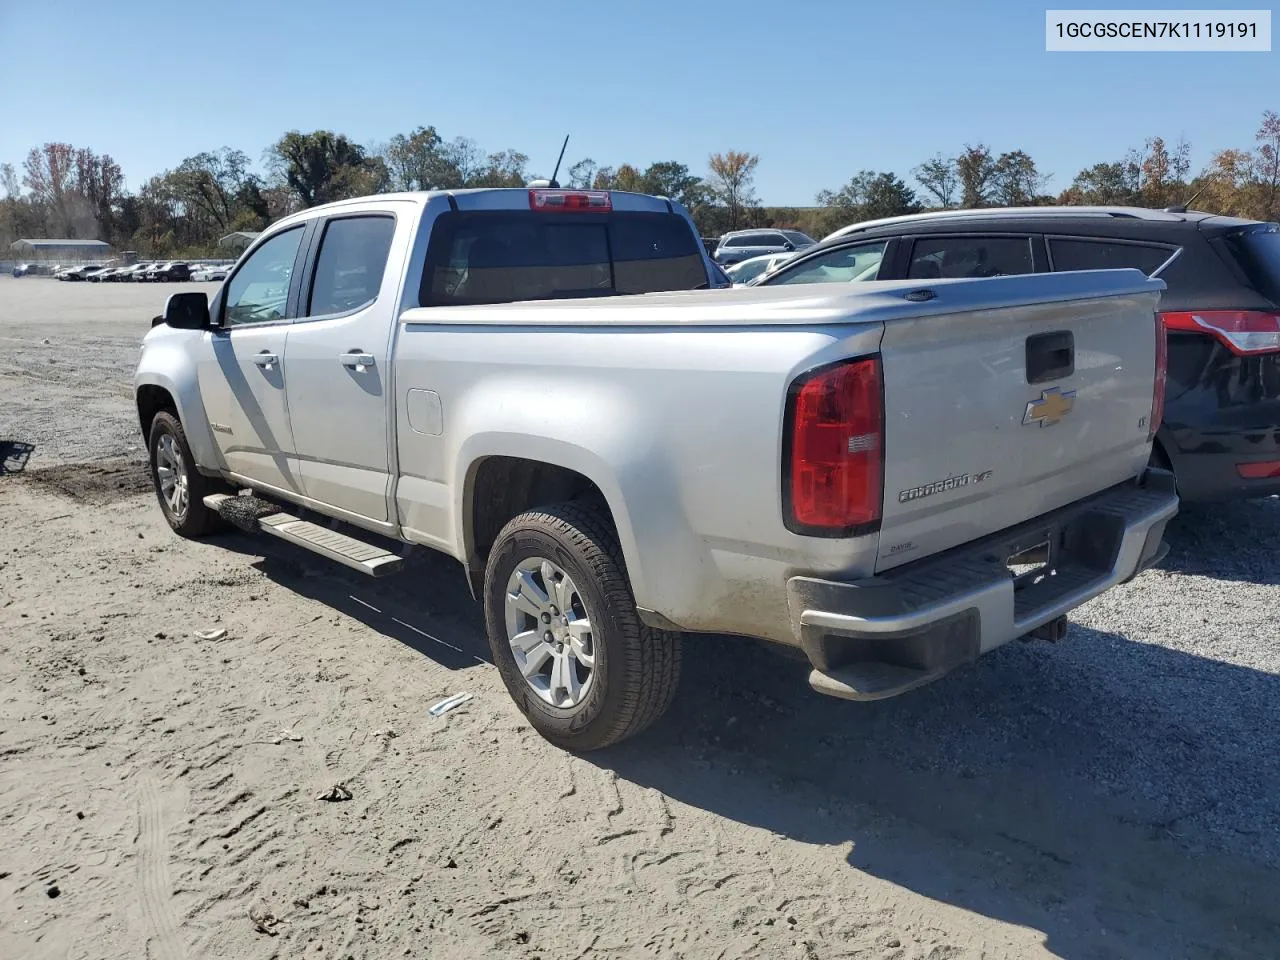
(1000, 413)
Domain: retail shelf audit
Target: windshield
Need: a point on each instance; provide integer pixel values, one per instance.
(505, 256)
(748, 269)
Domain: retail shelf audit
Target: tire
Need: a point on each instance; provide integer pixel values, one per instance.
(636, 669)
(168, 440)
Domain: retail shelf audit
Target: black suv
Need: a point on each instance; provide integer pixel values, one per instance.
(1221, 308)
(175, 272)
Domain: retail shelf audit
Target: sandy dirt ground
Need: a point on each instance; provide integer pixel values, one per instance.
(172, 713)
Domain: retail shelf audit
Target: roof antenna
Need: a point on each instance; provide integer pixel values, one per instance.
(554, 183)
(1182, 207)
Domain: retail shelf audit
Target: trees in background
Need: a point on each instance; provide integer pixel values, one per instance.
(60, 190)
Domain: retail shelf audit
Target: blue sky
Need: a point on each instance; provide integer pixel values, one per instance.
(819, 88)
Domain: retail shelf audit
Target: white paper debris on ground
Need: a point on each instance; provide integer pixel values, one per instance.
(217, 634)
(449, 703)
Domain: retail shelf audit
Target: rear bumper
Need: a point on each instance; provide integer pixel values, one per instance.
(883, 635)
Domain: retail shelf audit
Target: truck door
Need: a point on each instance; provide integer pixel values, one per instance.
(337, 361)
(242, 380)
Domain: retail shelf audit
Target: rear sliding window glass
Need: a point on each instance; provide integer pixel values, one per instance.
(506, 256)
(1101, 255)
(1258, 253)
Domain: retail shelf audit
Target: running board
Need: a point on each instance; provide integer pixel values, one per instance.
(348, 551)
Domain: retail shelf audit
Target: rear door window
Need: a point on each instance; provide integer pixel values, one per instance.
(933, 258)
(352, 260)
(506, 256)
(1082, 254)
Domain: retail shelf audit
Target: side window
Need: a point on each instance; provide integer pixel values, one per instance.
(949, 257)
(1100, 255)
(740, 242)
(352, 260)
(259, 290)
(847, 264)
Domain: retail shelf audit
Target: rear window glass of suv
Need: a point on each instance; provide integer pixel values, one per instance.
(1104, 255)
(506, 256)
(756, 240)
(1258, 253)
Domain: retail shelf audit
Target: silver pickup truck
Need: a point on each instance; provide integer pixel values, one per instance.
(889, 478)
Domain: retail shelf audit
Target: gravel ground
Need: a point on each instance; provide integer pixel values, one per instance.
(1115, 795)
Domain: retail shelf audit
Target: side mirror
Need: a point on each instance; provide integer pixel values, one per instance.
(788, 245)
(187, 311)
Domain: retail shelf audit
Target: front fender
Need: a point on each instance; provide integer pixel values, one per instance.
(168, 361)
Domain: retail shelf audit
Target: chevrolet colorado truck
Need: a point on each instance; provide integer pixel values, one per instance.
(890, 478)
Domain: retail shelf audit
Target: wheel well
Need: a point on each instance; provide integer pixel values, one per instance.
(505, 487)
(153, 400)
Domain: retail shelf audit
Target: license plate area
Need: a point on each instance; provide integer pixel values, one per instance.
(1033, 559)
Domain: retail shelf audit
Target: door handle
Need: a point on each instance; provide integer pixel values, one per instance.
(1050, 356)
(265, 359)
(357, 360)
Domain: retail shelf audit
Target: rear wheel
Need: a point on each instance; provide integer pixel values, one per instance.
(180, 487)
(565, 634)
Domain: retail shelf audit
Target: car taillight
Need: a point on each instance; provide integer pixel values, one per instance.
(833, 473)
(1243, 332)
(546, 201)
(1162, 377)
(1263, 470)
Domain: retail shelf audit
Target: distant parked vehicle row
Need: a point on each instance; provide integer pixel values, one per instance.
(165, 271)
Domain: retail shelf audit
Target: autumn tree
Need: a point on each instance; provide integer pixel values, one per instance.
(323, 166)
(869, 196)
(417, 162)
(218, 187)
(732, 181)
(1015, 181)
(1104, 184)
(937, 177)
(1268, 164)
(975, 170)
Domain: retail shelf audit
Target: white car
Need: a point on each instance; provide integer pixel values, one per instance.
(893, 478)
(753, 268)
(210, 272)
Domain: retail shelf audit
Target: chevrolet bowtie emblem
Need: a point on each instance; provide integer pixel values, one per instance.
(1053, 405)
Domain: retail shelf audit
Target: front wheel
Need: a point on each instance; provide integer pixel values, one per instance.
(180, 487)
(565, 634)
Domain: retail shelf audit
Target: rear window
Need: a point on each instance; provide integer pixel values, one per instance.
(1106, 255)
(756, 240)
(1258, 253)
(506, 256)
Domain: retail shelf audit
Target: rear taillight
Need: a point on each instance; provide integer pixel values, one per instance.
(1243, 332)
(833, 471)
(1259, 470)
(546, 201)
(1162, 377)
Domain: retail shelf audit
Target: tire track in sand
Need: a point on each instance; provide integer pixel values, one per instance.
(156, 891)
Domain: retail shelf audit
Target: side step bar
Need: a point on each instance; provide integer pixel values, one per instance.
(350, 552)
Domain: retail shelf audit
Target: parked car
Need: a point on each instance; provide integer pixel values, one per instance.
(836, 471)
(79, 272)
(210, 272)
(175, 271)
(127, 274)
(21, 269)
(1221, 309)
(742, 244)
(99, 275)
(149, 272)
(749, 270)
